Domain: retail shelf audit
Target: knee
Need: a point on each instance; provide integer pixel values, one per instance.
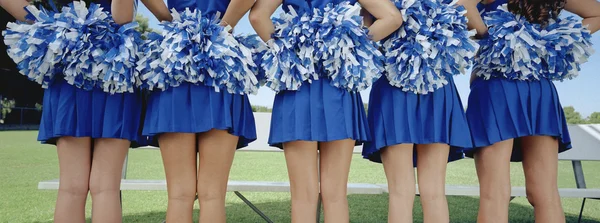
(75, 188)
(307, 193)
(209, 196)
(333, 195)
(539, 197)
(99, 187)
(183, 194)
(432, 193)
(496, 194)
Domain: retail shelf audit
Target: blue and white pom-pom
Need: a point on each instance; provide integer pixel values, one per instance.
(432, 45)
(121, 74)
(512, 48)
(87, 33)
(290, 59)
(197, 49)
(150, 67)
(257, 48)
(349, 57)
(36, 48)
(567, 45)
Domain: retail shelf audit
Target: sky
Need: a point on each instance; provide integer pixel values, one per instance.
(583, 92)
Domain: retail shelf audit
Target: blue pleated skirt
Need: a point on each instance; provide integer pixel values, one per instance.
(191, 108)
(318, 112)
(501, 109)
(71, 111)
(398, 117)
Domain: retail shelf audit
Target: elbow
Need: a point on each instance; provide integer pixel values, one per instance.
(255, 18)
(396, 20)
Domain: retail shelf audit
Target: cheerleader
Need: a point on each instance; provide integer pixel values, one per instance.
(514, 111)
(199, 76)
(92, 106)
(416, 109)
(319, 57)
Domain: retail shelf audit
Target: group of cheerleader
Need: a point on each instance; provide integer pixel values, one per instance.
(184, 89)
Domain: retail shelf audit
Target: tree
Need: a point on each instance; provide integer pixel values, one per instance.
(572, 116)
(143, 26)
(594, 118)
(6, 107)
(256, 108)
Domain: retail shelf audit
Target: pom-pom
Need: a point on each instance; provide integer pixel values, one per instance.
(196, 49)
(36, 48)
(432, 45)
(151, 70)
(121, 74)
(87, 33)
(567, 45)
(290, 59)
(346, 53)
(257, 49)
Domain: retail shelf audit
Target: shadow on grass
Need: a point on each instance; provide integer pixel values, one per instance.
(363, 209)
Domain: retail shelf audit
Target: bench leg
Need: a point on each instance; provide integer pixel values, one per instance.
(581, 211)
(319, 209)
(254, 208)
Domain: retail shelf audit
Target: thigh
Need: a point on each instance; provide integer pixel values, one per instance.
(74, 159)
(540, 162)
(178, 151)
(216, 152)
(334, 163)
(107, 163)
(301, 160)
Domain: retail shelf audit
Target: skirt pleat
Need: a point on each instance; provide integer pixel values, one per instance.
(71, 111)
(501, 109)
(191, 108)
(398, 117)
(318, 112)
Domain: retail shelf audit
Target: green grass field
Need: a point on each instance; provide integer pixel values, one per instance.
(24, 162)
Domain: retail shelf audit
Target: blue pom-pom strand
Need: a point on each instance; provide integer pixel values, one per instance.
(121, 74)
(87, 33)
(196, 49)
(347, 54)
(323, 43)
(511, 49)
(567, 45)
(36, 48)
(519, 50)
(257, 49)
(290, 59)
(432, 45)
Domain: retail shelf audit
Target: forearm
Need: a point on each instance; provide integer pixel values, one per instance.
(236, 10)
(16, 8)
(158, 9)
(382, 28)
(122, 11)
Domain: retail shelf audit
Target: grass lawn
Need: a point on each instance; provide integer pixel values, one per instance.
(24, 162)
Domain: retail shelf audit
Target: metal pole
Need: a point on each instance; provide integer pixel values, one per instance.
(319, 180)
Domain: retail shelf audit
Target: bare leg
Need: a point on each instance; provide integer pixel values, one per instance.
(398, 166)
(540, 164)
(178, 152)
(432, 160)
(301, 160)
(216, 148)
(335, 160)
(74, 159)
(493, 171)
(105, 179)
